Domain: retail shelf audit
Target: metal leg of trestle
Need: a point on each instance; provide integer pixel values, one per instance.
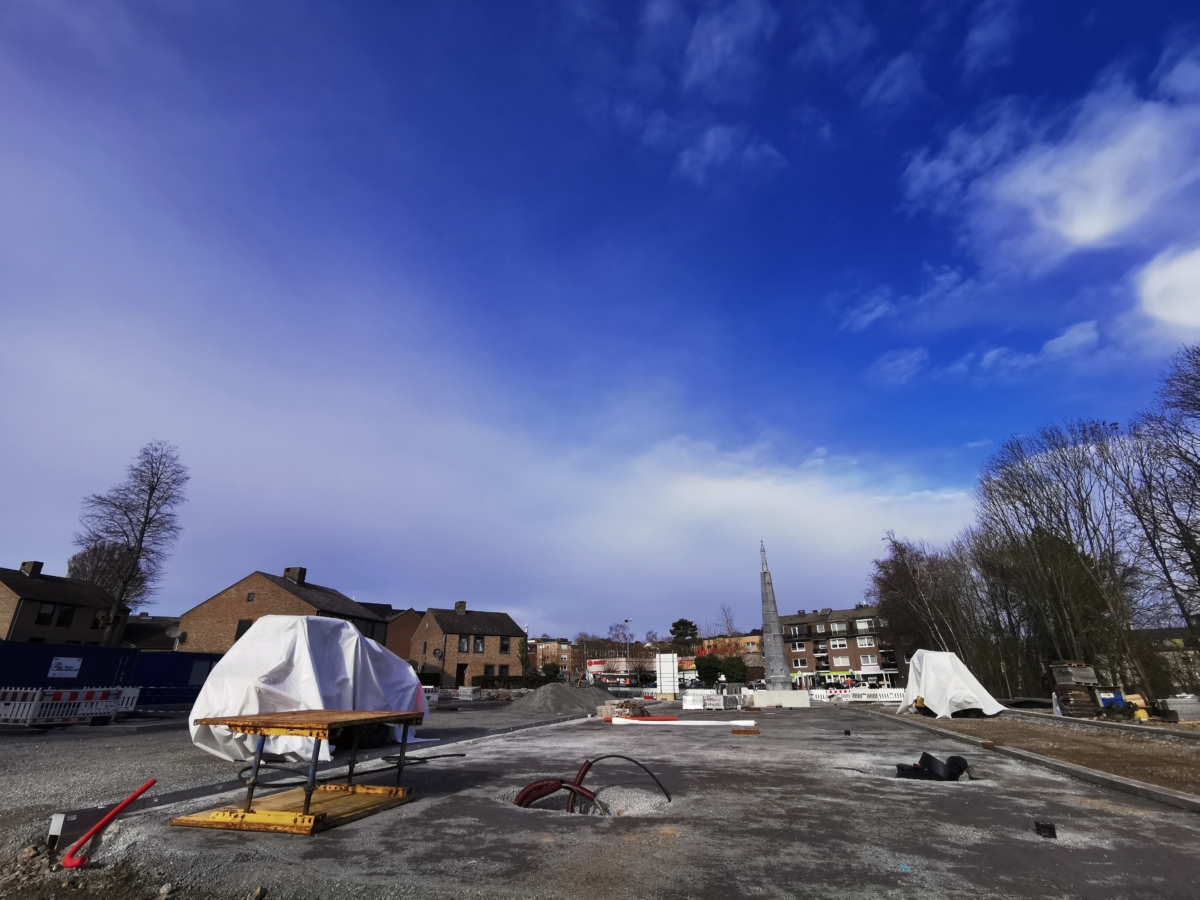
(403, 748)
(312, 775)
(353, 756)
(253, 782)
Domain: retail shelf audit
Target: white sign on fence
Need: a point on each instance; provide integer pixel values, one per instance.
(65, 667)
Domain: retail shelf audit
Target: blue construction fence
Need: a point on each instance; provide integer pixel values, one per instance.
(165, 676)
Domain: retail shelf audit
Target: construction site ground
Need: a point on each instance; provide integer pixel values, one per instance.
(801, 810)
(1154, 759)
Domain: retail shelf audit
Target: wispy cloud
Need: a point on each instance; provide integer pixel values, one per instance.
(724, 56)
(898, 367)
(1073, 344)
(896, 86)
(990, 36)
(720, 148)
(1119, 170)
(837, 36)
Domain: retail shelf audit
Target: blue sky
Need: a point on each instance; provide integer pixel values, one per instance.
(561, 308)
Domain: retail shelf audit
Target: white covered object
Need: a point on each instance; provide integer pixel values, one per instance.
(287, 663)
(945, 686)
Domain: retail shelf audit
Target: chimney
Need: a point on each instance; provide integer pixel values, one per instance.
(461, 607)
(296, 574)
(32, 569)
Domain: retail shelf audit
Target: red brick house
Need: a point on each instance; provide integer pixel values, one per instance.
(459, 644)
(831, 646)
(214, 625)
(40, 608)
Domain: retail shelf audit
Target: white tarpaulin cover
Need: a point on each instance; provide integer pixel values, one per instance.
(945, 686)
(286, 663)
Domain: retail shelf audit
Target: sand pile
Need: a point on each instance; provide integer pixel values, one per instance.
(561, 699)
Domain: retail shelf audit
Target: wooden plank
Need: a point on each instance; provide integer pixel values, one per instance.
(332, 805)
(311, 722)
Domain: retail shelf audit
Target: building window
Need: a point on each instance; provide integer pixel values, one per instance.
(45, 614)
(424, 647)
(798, 646)
(505, 644)
(98, 620)
(464, 643)
(837, 643)
(489, 671)
(838, 627)
(66, 615)
(795, 630)
(796, 664)
(479, 643)
(866, 642)
(820, 648)
(504, 671)
(800, 663)
(868, 659)
(250, 597)
(243, 627)
(863, 624)
(820, 629)
(842, 662)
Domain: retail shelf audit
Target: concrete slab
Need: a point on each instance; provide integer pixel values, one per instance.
(801, 810)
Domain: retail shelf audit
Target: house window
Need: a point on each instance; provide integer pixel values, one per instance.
(479, 643)
(868, 659)
(842, 662)
(820, 647)
(464, 643)
(45, 614)
(800, 663)
(489, 671)
(504, 671)
(250, 597)
(795, 664)
(837, 643)
(795, 630)
(505, 644)
(98, 620)
(424, 647)
(838, 627)
(820, 629)
(242, 627)
(863, 624)
(866, 642)
(66, 614)
(798, 646)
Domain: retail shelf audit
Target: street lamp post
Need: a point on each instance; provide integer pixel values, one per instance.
(628, 635)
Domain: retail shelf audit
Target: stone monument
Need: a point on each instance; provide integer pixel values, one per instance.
(773, 656)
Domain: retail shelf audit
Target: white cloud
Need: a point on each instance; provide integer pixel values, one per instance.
(898, 367)
(1075, 343)
(722, 149)
(1119, 170)
(896, 86)
(724, 56)
(1076, 339)
(874, 306)
(993, 28)
(1169, 287)
(837, 39)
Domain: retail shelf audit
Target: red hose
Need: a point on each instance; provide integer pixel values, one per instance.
(70, 860)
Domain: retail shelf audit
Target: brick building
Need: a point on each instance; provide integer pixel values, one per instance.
(37, 608)
(558, 651)
(459, 644)
(214, 625)
(401, 626)
(832, 646)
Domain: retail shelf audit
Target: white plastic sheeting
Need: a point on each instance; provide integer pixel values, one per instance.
(287, 663)
(945, 686)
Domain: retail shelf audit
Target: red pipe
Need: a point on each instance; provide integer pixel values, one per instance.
(70, 860)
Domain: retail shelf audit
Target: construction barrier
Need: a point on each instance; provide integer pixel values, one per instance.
(867, 695)
(47, 706)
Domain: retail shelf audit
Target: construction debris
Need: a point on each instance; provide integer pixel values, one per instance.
(560, 699)
(1045, 829)
(544, 787)
(930, 768)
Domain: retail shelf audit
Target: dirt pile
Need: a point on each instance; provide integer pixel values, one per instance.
(562, 700)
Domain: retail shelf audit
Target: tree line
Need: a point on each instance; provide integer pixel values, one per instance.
(1086, 533)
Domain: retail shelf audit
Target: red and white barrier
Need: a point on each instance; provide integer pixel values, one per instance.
(50, 706)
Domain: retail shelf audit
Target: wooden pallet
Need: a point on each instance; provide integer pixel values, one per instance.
(332, 805)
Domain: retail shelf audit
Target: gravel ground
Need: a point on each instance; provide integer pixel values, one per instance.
(1156, 760)
(802, 810)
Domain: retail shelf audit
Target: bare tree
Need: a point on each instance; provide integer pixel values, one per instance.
(130, 530)
(726, 623)
(620, 633)
(102, 564)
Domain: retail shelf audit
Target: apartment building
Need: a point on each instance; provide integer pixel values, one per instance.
(832, 647)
